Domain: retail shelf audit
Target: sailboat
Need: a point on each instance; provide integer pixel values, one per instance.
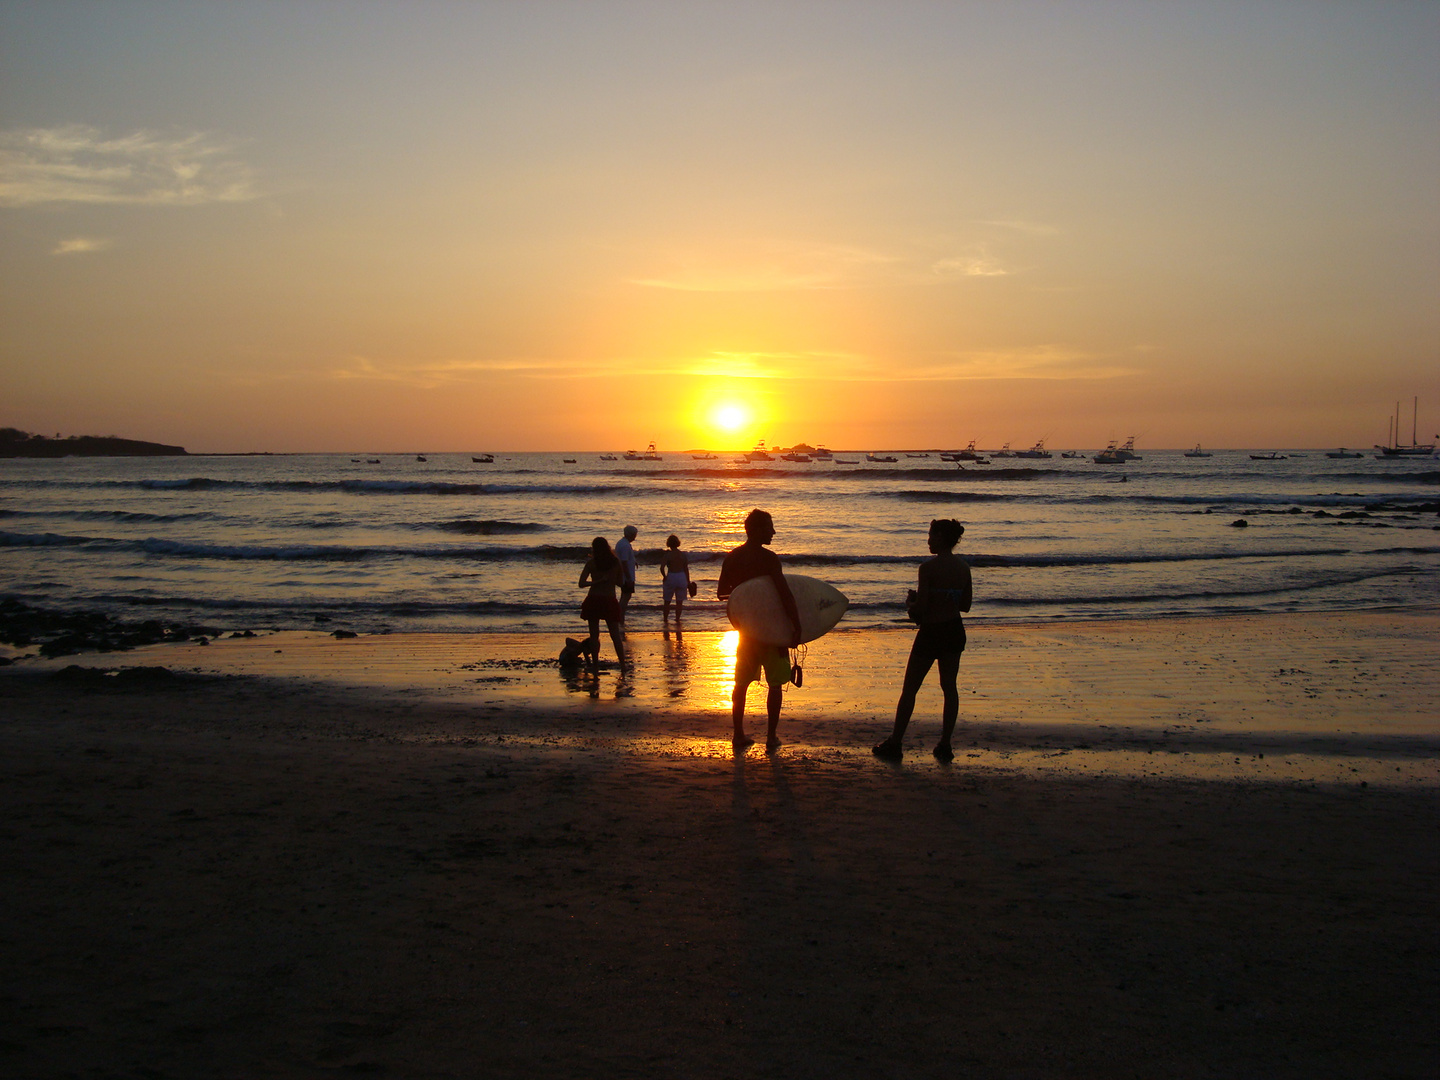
(1414, 448)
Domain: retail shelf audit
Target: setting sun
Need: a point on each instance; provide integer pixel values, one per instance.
(730, 417)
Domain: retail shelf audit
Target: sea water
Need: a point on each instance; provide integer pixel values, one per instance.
(451, 544)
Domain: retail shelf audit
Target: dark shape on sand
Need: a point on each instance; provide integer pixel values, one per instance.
(66, 633)
(135, 678)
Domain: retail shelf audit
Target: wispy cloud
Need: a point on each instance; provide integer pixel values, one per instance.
(79, 164)
(969, 266)
(772, 266)
(80, 245)
(777, 266)
(1051, 362)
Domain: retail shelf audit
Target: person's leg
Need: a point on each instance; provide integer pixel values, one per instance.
(773, 700)
(594, 639)
(617, 638)
(737, 713)
(916, 668)
(949, 669)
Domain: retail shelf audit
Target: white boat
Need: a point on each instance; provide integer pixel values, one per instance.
(1004, 451)
(648, 455)
(702, 457)
(1197, 452)
(1118, 455)
(759, 453)
(796, 457)
(968, 454)
(1414, 448)
(1036, 451)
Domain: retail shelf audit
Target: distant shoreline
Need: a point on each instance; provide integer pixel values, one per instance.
(18, 444)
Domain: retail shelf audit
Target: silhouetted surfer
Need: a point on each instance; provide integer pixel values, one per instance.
(937, 604)
(751, 560)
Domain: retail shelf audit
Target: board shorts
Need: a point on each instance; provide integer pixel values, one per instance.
(937, 639)
(606, 608)
(676, 586)
(754, 657)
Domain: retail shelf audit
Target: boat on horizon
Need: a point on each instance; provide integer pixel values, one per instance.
(1118, 455)
(1414, 448)
(1036, 451)
(1197, 452)
(1273, 455)
(648, 455)
(759, 453)
(1341, 452)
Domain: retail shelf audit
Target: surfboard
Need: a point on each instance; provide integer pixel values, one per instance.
(755, 609)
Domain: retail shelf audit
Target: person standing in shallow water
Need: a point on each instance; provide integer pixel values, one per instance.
(626, 554)
(674, 576)
(603, 573)
(937, 604)
(751, 560)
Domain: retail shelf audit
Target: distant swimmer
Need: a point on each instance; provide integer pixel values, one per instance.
(751, 560)
(938, 603)
(603, 573)
(675, 576)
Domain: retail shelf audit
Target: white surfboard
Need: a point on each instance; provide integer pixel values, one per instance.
(755, 609)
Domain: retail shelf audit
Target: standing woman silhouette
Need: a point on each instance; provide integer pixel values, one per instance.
(937, 604)
(603, 573)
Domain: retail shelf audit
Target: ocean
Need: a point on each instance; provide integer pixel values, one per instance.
(450, 544)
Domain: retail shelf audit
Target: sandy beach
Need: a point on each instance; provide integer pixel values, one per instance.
(1184, 847)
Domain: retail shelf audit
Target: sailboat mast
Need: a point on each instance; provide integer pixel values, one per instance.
(1414, 421)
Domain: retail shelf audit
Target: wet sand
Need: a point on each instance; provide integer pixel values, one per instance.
(1187, 848)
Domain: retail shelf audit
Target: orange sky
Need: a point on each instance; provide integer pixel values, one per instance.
(555, 226)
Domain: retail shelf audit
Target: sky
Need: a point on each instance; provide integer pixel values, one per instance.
(340, 226)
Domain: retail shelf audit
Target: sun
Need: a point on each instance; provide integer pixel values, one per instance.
(729, 417)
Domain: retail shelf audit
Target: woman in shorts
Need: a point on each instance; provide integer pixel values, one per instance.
(937, 604)
(603, 573)
(675, 575)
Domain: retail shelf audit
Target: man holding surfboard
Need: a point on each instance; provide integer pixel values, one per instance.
(753, 560)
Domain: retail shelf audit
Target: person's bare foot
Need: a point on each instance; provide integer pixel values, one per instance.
(742, 742)
(772, 744)
(889, 750)
(943, 752)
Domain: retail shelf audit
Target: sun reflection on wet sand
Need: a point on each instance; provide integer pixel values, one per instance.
(1263, 696)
